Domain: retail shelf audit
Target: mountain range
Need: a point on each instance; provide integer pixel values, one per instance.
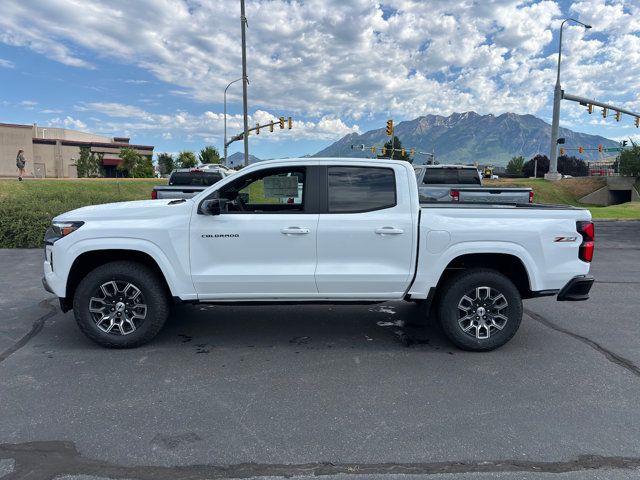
(469, 137)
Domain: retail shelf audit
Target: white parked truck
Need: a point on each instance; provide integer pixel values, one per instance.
(315, 230)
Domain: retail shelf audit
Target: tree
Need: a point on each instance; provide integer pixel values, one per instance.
(514, 167)
(573, 166)
(166, 163)
(397, 154)
(630, 161)
(130, 160)
(209, 154)
(186, 159)
(543, 166)
(144, 167)
(89, 164)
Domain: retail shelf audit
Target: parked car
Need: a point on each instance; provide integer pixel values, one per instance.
(358, 233)
(186, 182)
(463, 184)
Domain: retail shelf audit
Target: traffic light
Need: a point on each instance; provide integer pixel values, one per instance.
(290, 121)
(389, 127)
(590, 108)
(271, 126)
(618, 114)
(600, 148)
(561, 151)
(373, 150)
(281, 123)
(257, 129)
(637, 122)
(413, 152)
(604, 112)
(580, 150)
(384, 151)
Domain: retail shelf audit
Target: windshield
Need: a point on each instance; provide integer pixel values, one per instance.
(451, 176)
(194, 178)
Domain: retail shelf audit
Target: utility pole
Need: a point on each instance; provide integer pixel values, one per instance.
(243, 24)
(555, 121)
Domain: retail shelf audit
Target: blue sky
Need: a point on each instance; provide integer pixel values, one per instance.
(155, 70)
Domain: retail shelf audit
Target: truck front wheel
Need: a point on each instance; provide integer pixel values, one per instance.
(121, 304)
(480, 309)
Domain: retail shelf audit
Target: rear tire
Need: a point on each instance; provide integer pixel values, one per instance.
(480, 310)
(121, 304)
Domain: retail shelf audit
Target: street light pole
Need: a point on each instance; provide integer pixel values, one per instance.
(555, 122)
(243, 24)
(225, 117)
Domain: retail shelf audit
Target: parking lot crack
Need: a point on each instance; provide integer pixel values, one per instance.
(35, 329)
(608, 354)
(51, 459)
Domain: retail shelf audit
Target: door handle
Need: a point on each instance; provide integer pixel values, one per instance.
(389, 231)
(294, 231)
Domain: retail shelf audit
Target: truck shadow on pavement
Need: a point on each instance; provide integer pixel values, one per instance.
(308, 327)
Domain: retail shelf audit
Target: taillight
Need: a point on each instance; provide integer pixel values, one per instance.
(587, 231)
(455, 195)
(531, 196)
(154, 195)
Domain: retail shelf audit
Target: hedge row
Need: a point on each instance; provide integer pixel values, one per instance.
(26, 208)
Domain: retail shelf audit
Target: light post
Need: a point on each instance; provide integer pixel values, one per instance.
(243, 26)
(557, 97)
(225, 117)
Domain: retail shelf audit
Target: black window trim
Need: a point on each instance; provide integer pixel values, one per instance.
(324, 207)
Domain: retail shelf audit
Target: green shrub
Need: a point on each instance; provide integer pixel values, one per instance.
(26, 208)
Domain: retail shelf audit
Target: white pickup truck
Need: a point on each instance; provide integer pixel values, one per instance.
(315, 230)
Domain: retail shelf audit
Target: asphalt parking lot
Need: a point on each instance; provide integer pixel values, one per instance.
(344, 392)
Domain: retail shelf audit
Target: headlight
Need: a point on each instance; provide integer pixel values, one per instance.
(57, 230)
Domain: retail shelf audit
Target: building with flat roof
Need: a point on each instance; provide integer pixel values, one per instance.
(52, 152)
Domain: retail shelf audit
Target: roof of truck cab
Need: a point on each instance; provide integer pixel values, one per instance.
(315, 160)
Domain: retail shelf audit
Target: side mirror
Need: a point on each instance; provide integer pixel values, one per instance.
(210, 207)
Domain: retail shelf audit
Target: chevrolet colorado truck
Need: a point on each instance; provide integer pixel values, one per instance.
(315, 230)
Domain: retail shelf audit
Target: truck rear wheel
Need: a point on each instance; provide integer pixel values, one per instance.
(480, 310)
(121, 304)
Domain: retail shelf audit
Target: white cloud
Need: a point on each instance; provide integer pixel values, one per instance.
(331, 59)
(68, 122)
(210, 125)
(6, 63)
(137, 82)
(28, 104)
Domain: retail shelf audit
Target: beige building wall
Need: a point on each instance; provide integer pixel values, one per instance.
(66, 134)
(13, 138)
(47, 152)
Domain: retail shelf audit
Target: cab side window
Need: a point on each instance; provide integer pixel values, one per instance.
(360, 189)
(277, 190)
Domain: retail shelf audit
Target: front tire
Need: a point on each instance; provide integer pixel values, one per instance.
(480, 310)
(121, 304)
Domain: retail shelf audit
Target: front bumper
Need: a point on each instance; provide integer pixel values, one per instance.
(577, 289)
(46, 285)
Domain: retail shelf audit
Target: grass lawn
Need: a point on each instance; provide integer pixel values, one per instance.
(568, 191)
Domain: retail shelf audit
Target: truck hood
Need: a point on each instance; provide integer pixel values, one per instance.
(139, 209)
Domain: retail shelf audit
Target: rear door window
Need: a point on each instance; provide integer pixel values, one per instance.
(360, 189)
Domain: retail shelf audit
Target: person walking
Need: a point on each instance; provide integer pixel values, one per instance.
(21, 163)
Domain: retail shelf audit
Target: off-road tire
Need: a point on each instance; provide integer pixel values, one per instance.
(449, 313)
(152, 288)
